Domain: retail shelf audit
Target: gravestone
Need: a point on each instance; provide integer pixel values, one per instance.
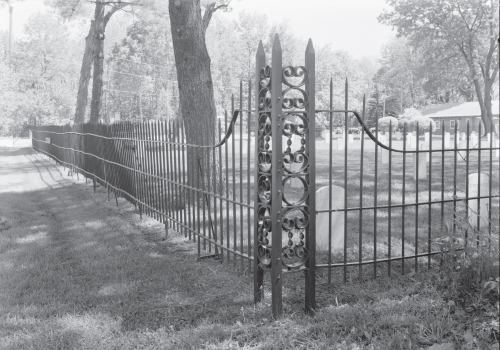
(473, 141)
(350, 138)
(398, 135)
(426, 137)
(340, 143)
(496, 145)
(383, 151)
(462, 136)
(446, 139)
(472, 210)
(422, 166)
(322, 225)
(411, 141)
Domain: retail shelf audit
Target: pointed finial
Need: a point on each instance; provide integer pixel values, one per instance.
(276, 43)
(310, 47)
(260, 49)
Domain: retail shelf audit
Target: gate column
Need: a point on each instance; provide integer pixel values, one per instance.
(284, 231)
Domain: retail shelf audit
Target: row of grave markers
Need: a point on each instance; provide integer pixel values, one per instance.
(478, 215)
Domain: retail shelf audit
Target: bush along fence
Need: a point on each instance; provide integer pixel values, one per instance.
(275, 197)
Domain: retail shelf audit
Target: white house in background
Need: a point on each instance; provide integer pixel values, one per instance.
(458, 114)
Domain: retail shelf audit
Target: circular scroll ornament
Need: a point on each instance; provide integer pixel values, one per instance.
(264, 187)
(294, 72)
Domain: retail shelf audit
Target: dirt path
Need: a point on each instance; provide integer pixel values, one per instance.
(77, 271)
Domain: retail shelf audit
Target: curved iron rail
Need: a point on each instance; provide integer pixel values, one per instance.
(228, 133)
(374, 139)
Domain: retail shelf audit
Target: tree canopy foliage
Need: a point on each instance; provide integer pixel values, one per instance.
(457, 37)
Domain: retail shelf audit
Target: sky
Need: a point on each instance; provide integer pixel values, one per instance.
(349, 25)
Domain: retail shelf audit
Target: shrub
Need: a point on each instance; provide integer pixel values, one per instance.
(385, 123)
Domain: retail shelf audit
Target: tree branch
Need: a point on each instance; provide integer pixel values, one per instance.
(209, 10)
(114, 9)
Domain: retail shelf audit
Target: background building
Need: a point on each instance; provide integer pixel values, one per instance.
(461, 112)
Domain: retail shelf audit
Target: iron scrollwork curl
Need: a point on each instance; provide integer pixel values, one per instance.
(264, 228)
(295, 222)
(300, 101)
(294, 72)
(264, 134)
(265, 101)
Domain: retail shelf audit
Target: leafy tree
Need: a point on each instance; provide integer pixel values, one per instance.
(94, 49)
(401, 73)
(468, 28)
(38, 83)
(376, 108)
(142, 72)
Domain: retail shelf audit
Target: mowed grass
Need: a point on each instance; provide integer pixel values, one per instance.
(78, 272)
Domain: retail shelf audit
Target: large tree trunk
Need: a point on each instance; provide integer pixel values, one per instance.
(97, 84)
(194, 77)
(83, 85)
(193, 69)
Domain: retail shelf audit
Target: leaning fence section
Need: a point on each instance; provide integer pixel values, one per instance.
(200, 188)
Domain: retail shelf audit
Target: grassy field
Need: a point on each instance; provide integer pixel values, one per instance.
(79, 272)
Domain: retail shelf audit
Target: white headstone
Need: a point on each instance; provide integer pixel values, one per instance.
(411, 141)
(472, 210)
(422, 166)
(398, 135)
(463, 136)
(350, 138)
(446, 139)
(340, 143)
(385, 156)
(322, 225)
(473, 141)
(497, 144)
(426, 137)
(382, 139)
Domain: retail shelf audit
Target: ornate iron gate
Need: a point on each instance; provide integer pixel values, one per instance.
(284, 236)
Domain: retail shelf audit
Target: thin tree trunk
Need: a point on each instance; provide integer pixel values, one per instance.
(97, 83)
(83, 85)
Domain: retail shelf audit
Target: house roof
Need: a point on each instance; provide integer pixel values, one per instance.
(460, 109)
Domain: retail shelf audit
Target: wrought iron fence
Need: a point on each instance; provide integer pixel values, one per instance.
(209, 200)
(382, 197)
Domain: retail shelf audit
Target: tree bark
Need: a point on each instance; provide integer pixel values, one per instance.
(194, 77)
(83, 85)
(97, 84)
(100, 22)
(193, 69)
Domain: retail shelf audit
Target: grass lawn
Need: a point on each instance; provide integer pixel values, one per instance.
(78, 272)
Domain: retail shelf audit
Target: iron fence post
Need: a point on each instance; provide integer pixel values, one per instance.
(258, 272)
(276, 177)
(310, 280)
